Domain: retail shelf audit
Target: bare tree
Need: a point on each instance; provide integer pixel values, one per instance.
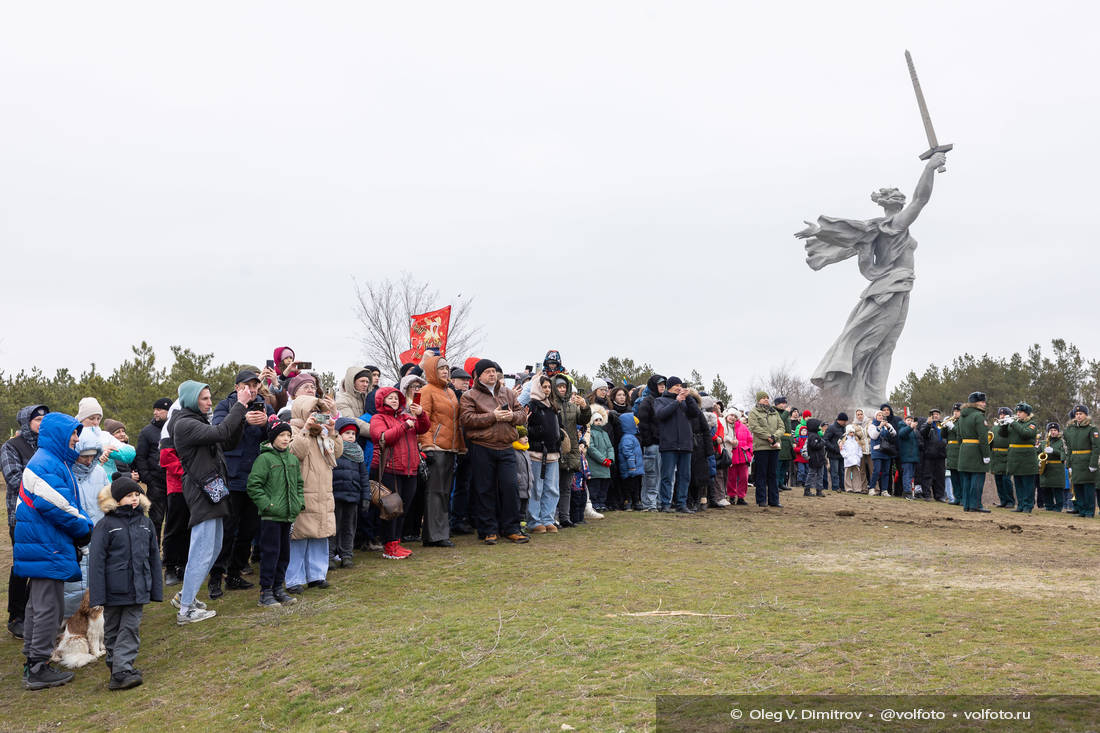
(385, 309)
(800, 393)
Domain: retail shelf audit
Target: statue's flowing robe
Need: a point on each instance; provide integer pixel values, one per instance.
(857, 365)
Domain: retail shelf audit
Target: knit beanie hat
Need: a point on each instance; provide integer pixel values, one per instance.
(672, 382)
(111, 426)
(189, 394)
(276, 426)
(124, 485)
(88, 406)
(521, 430)
(38, 411)
(807, 414)
(842, 416)
(297, 382)
(600, 383)
(345, 423)
(761, 395)
(483, 364)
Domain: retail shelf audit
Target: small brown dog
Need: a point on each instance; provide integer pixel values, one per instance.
(81, 641)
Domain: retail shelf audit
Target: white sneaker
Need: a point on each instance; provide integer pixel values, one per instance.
(196, 604)
(590, 513)
(194, 615)
(723, 502)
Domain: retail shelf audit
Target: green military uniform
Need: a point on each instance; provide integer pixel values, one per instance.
(998, 464)
(786, 451)
(1082, 441)
(951, 435)
(1023, 463)
(974, 455)
(1052, 481)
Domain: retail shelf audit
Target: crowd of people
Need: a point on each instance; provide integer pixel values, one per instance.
(280, 475)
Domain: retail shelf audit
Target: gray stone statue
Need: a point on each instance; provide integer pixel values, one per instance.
(855, 369)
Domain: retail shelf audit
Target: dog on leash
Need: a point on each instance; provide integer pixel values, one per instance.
(81, 640)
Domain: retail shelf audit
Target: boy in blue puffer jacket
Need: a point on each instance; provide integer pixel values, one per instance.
(631, 467)
(48, 529)
(350, 485)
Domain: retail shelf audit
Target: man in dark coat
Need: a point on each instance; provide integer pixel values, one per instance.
(243, 522)
(14, 456)
(675, 412)
(147, 464)
(933, 458)
(832, 437)
(649, 436)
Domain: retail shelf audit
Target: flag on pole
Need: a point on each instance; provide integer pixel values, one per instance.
(427, 331)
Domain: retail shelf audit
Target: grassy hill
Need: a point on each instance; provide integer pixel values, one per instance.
(900, 598)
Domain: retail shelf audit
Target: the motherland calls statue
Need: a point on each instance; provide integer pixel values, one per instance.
(855, 369)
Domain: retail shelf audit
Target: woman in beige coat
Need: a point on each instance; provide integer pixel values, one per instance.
(317, 447)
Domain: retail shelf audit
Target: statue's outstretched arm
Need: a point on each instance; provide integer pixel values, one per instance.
(922, 194)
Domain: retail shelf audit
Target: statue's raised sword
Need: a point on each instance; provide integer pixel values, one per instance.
(928, 129)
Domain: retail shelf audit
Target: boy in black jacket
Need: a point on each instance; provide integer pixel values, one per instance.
(815, 452)
(123, 575)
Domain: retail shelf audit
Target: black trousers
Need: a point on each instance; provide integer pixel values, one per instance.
(493, 483)
(632, 489)
(347, 515)
(461, 509)
(765, 465)
(238, 531)
(931, 479)
(274, 553)
(177, 535)
(405, 486)
(598, 489)
(414, 512)
(158, 499)
(17, 590)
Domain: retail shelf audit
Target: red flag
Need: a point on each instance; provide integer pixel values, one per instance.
(428, 331)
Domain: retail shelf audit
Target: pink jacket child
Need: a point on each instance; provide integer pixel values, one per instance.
(738, 440)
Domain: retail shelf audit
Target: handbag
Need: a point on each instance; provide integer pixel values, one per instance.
(386, 499)
(214, 487)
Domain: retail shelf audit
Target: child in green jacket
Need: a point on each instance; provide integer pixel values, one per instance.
(275, 487)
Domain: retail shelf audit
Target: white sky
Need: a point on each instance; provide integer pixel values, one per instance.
(606, 178)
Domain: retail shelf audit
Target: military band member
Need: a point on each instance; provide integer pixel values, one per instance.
(1023, 463)
(974, 452)
(1052, 472)
(998, 463)
(1082, 446)
(950, 432)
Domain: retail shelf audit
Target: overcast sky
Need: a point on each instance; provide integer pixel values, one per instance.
(605, 178)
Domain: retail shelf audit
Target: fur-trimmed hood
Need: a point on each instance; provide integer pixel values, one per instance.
(599, 415)
(107, 503)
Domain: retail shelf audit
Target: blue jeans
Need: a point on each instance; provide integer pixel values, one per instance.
(206, 543)
(908, 470)
(651, 481)
(308, 561)
(542, 506)
(836, 473)
(880, 476)
(800, 473)
(675, 463)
